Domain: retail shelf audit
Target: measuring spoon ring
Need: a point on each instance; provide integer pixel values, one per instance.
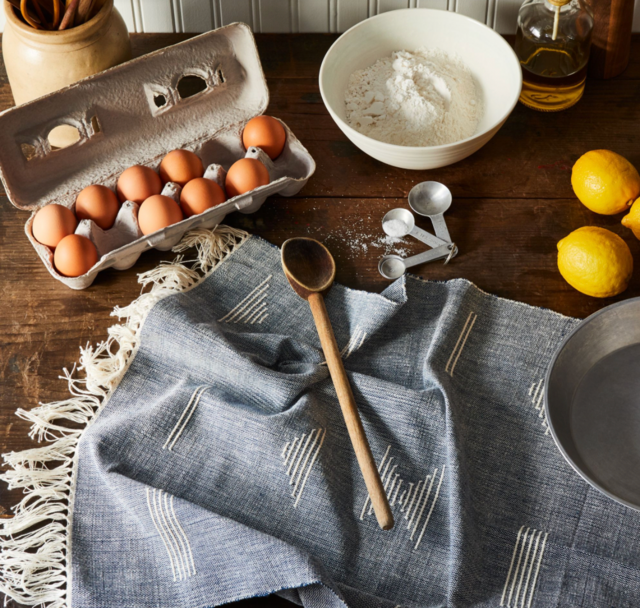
(400, 222)
(432, 199)
(393, 266)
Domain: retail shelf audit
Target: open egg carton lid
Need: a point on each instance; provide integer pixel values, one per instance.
(133, 114)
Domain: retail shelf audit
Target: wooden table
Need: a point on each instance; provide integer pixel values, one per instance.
(512, 202)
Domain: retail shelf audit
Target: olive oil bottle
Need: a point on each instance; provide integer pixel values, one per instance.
(552, 43)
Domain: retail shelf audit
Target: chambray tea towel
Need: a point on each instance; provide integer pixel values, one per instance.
(220, 467)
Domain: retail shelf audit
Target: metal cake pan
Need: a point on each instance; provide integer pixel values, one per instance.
(592, 400)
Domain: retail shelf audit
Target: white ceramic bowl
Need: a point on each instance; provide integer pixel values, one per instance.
(491, 60)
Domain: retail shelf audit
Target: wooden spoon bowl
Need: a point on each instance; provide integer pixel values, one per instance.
(308, 265)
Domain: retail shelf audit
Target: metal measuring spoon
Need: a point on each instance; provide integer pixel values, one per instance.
(432, 199)
(393, 266)
(400, 222)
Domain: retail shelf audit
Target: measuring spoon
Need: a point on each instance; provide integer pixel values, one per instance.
(393, 266)
(432, 199)
(400, 222)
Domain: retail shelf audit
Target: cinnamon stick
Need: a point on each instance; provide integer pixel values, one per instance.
(83, 13)
(69, 15)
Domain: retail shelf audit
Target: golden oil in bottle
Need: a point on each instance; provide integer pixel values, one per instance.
(552, 43)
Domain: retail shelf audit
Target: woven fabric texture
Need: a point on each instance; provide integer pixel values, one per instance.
(221, 468)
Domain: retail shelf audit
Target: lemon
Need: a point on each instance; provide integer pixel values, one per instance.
(605, 182)
(632, 220)
(595, 261)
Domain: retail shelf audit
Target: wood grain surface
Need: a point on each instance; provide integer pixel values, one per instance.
(512, 203)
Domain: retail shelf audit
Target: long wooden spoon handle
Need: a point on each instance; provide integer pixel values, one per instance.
(350, 412)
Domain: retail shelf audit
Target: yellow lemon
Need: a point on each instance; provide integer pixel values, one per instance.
(595, 261)
(605, 182)
(632, 220)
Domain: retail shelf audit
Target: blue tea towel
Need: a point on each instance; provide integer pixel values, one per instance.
(220, 468)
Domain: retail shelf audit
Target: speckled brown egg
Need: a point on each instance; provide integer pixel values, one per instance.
(75, 255)
(52, 223)
(200, 194)
(245, 175)
(180, 167)
(265, 132)
(158, 212)
(137, 184)
(99, 204)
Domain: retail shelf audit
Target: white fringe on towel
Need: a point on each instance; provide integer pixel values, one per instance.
(35, 546)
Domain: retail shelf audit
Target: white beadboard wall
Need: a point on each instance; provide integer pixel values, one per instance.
(299, 15)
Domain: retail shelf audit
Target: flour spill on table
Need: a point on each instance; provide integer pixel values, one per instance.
(426, 97)
(358, 241)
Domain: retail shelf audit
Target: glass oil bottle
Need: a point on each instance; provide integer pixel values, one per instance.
(552, 43)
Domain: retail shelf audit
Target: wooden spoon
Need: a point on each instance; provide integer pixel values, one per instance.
(310, 269)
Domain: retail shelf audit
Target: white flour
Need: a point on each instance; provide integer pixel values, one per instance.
(426, 97)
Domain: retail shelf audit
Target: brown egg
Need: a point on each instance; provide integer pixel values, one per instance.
(137, 184)
(158, 212)
(265, 132)
(52, 223)
(245, 175)
(75, 255)
(200, 194)
(99, 204)
(180, 166)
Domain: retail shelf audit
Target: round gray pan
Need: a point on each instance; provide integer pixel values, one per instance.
(592, 400)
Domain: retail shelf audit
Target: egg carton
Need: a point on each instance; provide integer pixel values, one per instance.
(134, 114)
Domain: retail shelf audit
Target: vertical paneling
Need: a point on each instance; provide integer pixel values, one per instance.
(236, 10)
(636, 17)
(275, 15)
(441, 4)
(125, 8)
(157, 16)
(491, 12)
(351, 12)
(391, 5)
(313, 15)
(197, 15)
(477, 9)
(137, 15)
(176, 13)
(506, 16)
(299, 15)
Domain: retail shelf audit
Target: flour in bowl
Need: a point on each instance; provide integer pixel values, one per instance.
(426, 97)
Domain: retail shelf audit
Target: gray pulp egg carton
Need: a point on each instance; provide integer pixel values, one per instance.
(135, 114)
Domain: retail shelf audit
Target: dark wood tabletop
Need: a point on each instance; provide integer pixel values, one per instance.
(512, 203)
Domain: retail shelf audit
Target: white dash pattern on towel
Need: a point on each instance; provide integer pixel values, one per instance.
(252, 308)
(417, 501)
(524, 568)
(462, 340)
(174, 539)
(185, 417)
(356, 340)
(298, 457)
(536, 392)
